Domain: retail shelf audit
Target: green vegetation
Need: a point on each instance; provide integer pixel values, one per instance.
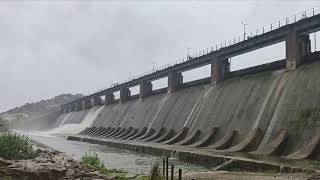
(15, 147)
(3, 125)
(95, 162)
(155, 172)
(316, 162)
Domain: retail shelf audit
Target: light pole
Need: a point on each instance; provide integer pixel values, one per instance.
(188, 53)
(153, 65)
(244, 29)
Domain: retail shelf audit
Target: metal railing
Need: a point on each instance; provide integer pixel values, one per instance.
(265, 29)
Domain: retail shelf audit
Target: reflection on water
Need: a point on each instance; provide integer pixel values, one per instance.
(134, 163)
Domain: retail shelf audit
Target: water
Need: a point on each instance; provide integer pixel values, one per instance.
(133, 163)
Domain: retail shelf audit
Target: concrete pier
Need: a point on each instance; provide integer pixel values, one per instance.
(97, 101)
(70, 108)
(124, 94)
(219, 68)
(145, 89)
(87, 104)
(296, 48)
(175, 80)
(79, 106)
(109, 98)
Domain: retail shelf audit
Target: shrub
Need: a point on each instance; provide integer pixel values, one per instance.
(155, 172)
(94, 161)
(3, 125)
(16, 146)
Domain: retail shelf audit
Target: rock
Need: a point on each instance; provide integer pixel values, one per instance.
(70, 172)
(4, 162)
(41, 159)
(49, 165)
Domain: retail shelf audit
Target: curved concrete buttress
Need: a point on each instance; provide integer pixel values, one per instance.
(92, 133)
(250, 143)
(84, 131)
(206, 140)
(169, 134)
(178, 137)
(104, 131)
(114, 132)
(133, 132)
(98, 131)
(91, 130)
(101, 131)
(139, 134)
(126, 132)
(122, 130)
(309, 149)
(225, 142)
(110, 129)
(275, 147)
(152, 135)
(191, 138)
(147, 135)
(106, 134)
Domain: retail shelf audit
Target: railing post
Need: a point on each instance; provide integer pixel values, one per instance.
(312, 11)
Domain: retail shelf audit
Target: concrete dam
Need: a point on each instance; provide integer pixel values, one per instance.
(271, 109)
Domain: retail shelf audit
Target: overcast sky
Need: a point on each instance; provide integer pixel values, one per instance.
(48, 48)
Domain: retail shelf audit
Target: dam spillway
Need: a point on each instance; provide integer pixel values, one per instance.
(272, 112)
(270, 109)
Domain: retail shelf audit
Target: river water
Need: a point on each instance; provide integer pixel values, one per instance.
(132, 162)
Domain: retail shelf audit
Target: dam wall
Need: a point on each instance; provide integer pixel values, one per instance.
(271, 109)
(255, 106)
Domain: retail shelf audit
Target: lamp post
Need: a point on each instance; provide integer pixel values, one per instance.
(188, 53)
(244, 29)
(153, 65)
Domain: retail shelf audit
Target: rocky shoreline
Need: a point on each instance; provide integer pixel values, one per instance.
(48, 165)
